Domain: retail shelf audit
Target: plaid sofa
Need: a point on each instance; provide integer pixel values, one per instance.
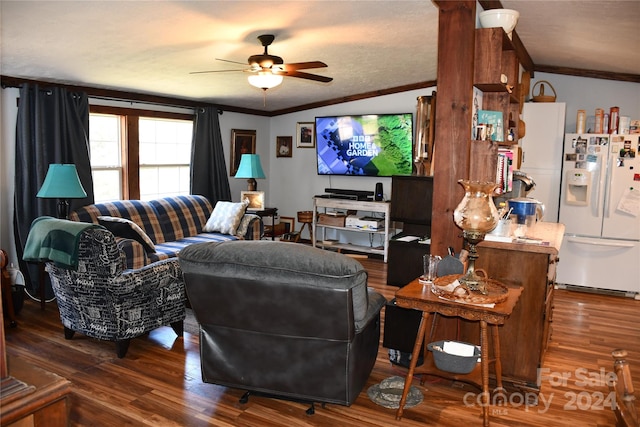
(171, 223)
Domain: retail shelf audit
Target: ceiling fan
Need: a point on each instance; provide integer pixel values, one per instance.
(267, 71)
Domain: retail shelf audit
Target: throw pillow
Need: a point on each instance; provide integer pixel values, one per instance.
(122, 227)
(244, 225)
(225, 218)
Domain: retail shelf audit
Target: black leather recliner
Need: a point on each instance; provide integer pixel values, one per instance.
(283, 319)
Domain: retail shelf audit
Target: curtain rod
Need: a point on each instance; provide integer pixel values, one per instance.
(110, 94)
(162, 104)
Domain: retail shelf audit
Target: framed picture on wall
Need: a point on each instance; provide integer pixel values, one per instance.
(304, 135)
(284, 146)
(242, 142)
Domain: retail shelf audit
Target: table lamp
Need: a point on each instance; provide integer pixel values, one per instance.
(62, 183)
(476, 215)
(250, 168)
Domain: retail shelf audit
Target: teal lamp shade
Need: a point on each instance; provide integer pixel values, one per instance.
(62, 182)
(251, 169)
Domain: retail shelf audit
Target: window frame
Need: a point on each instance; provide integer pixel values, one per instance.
(130, 143)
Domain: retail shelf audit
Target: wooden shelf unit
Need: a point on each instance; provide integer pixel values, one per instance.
(494, 57)
(353, 205)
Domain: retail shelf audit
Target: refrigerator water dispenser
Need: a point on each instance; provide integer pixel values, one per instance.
(578, 187)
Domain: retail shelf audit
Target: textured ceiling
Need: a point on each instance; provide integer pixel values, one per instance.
(152, 46)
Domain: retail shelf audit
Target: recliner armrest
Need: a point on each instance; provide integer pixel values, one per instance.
(376, 302)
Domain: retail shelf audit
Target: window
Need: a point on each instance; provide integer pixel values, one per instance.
(138, 154)
(105, 132)
(165, 155)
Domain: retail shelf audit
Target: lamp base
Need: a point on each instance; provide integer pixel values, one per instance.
(63, 209)
(252, 184)
(471, 281)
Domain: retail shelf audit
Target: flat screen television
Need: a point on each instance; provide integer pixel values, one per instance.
(365, 145)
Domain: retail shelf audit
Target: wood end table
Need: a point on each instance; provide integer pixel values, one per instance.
(418, 296)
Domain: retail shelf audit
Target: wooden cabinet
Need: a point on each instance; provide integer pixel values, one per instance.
(30, 396)
(40, 398)
(525, 335)
(411, 205)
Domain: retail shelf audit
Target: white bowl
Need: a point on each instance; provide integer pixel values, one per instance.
(505, 18)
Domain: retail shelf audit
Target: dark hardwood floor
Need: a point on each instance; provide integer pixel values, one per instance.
(158, 383)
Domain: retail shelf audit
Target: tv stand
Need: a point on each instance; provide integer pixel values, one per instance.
(324, 203)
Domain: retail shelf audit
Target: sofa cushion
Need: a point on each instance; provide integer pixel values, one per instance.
(226, 217)
(122, 227)
(138, 211)
(172, 249)
(181, 216)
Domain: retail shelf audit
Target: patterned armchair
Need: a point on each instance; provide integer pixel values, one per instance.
(103, 300)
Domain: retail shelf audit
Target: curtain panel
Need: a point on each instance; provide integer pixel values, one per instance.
(208, 168)
(52, 127)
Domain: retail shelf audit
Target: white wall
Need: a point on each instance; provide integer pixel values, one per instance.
(292, 182)
(229, 121)
(589, 94)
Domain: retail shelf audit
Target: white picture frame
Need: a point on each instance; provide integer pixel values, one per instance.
(256, 199)
(305, 135)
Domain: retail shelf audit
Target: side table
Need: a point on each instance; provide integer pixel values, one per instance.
(419, 297)
(268, 212)
(36, 397)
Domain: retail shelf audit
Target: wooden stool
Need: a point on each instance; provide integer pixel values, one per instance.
(306, 219)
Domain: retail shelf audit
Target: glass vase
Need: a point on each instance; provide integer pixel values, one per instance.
(476, 215)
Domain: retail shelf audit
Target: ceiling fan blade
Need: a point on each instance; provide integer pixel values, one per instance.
(233, 62)
(303, 65)
(215, 71)
(307, 76)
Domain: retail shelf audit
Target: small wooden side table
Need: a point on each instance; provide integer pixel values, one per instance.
(419, 297)
(35, 398)
(267, 212)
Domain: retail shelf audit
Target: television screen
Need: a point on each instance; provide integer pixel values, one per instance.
(365, 145)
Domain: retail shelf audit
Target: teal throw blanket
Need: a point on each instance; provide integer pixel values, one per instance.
(56, 240)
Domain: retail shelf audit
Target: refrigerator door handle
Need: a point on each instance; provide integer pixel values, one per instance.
(600, 242)
(598, 183)
(608, 185)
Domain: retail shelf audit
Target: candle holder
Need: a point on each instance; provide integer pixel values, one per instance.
(476, 215)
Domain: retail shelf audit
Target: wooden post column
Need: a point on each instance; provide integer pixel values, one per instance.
(456, 43)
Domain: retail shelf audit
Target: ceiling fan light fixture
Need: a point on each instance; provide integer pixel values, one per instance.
(265, 80)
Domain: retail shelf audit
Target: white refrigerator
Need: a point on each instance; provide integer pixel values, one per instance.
(599, 205)
(542, 152)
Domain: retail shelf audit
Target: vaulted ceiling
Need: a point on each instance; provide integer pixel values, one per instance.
(151, 47)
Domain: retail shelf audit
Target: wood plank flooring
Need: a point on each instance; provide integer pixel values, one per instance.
(158, 383)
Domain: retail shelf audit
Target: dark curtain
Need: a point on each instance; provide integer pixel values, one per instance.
(208, 168)
(52, 127)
